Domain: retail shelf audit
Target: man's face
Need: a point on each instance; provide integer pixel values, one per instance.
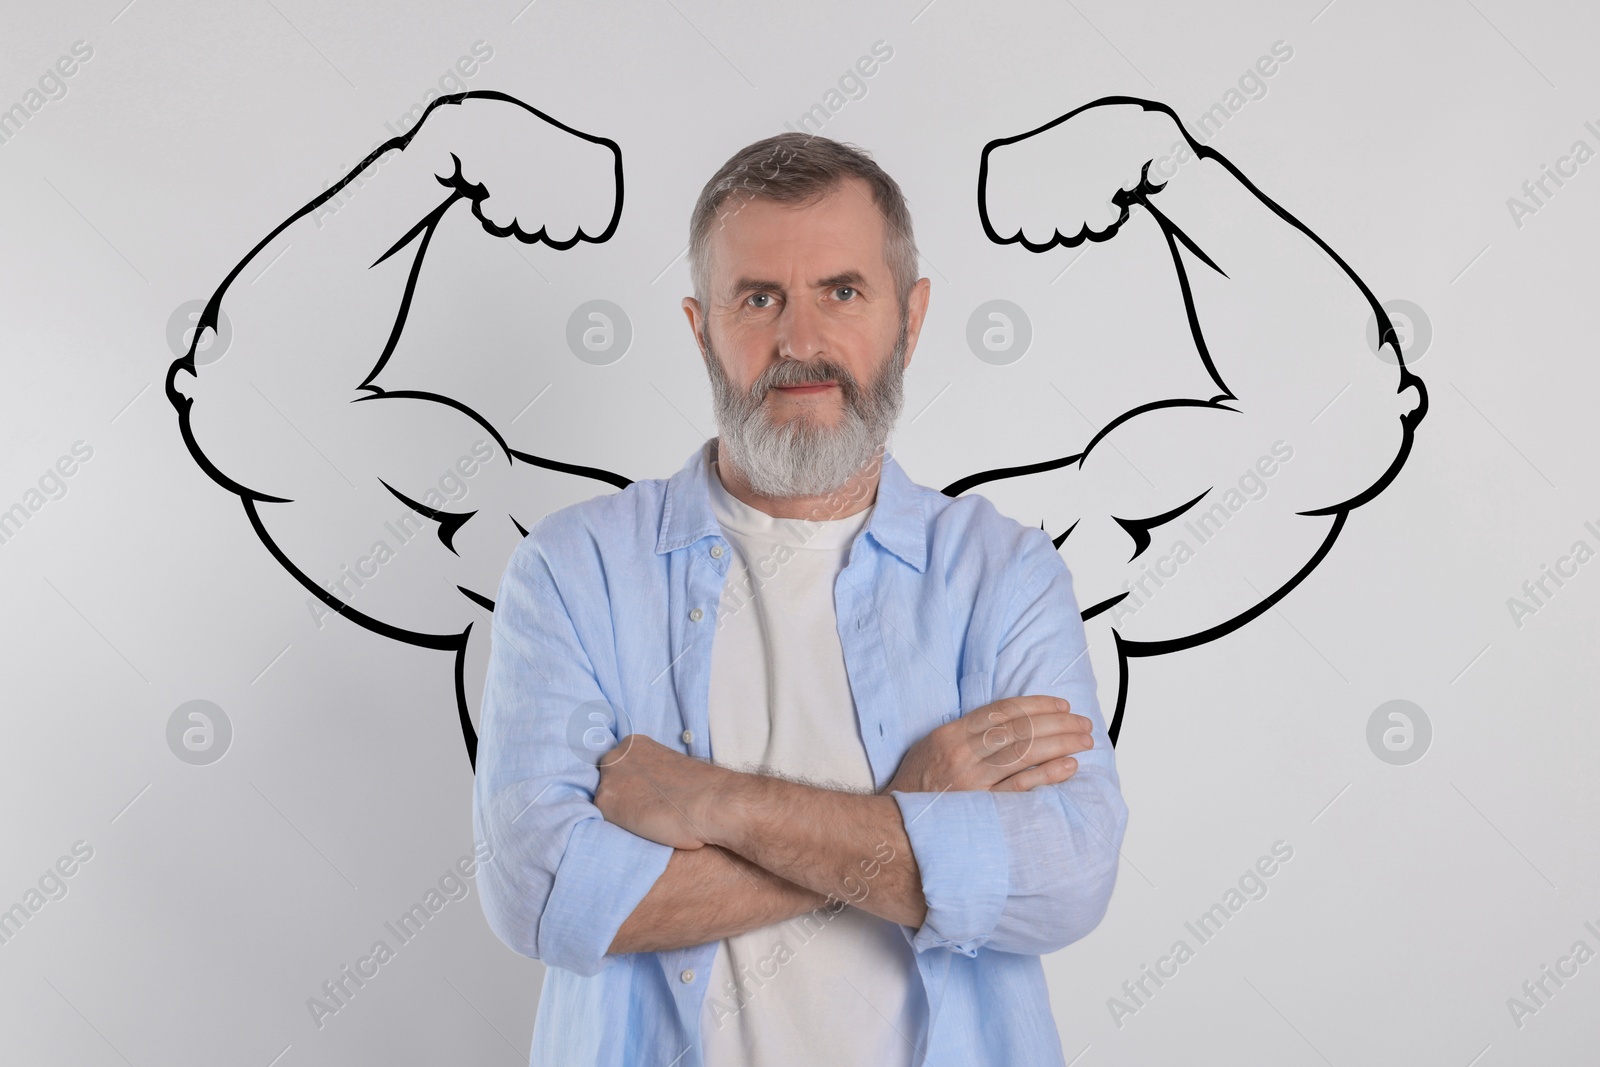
(804, 337)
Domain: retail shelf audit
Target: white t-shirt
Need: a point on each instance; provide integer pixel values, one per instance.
(832, 987)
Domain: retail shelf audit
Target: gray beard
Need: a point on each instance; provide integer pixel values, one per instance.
(804, 457)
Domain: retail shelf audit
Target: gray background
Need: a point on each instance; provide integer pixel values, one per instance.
(220, 897)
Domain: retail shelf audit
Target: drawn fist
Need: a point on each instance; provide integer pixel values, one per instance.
(530, 176)
(1061, 183)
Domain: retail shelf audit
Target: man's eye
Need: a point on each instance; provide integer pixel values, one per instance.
(847, 291)
(760, 296)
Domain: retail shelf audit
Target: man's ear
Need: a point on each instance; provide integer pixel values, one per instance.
(916, 311)
(693, 312)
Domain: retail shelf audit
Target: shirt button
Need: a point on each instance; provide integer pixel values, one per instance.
(686, 977)
(688, 737)
(716, 551)
(696, 615)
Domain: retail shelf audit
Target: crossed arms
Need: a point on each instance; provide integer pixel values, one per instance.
(792, 847)
(1000, 828)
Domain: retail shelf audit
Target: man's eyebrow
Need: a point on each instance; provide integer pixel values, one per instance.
(747, 285)
(853, 278)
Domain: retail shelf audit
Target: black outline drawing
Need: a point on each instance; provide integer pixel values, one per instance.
(421, 233)
(449, 523)
(1139, 529)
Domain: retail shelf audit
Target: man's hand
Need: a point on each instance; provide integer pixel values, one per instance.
(1015, 744)
(650, 790)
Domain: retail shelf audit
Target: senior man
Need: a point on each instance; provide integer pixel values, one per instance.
(788, 759)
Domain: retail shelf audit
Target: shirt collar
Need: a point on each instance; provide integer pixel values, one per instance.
(897, 524)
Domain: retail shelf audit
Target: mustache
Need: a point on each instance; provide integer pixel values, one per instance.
(804, 372)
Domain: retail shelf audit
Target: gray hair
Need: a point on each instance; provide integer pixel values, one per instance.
(799, 168)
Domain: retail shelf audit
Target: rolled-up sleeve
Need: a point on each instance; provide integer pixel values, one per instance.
(959, 842)
(561, 880)
(1026, 872)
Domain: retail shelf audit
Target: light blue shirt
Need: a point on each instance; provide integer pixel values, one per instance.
(604, 626)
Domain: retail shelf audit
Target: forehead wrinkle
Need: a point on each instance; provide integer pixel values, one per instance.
(849, 276)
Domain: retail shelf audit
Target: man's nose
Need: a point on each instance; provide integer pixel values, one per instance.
(800, 331)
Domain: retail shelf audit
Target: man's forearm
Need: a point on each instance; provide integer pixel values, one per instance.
(707, 894)
(848, 845)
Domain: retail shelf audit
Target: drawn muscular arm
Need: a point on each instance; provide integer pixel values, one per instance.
(1280, 323)
(319, 304)
(393, 505)
(1275, 318)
